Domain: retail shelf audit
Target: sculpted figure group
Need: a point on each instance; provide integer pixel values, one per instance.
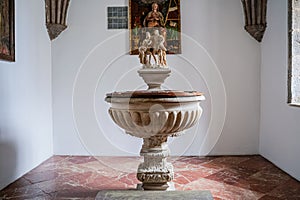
(153, 47)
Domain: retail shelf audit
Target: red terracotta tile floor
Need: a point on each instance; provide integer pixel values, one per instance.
(227, 177)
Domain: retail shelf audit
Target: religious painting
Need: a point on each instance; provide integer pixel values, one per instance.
(151, 15)
(7, 30)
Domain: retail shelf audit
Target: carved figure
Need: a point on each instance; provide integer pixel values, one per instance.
(158, 47)
(162, 58)
(146, 44)
(153, 46)
(158, 41)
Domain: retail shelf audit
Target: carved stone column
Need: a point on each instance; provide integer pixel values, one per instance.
(255, 17)
(155, 172)
(56, 16)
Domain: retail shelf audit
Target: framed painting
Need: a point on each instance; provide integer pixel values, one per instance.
(150, 15)
(293, 53)
(7, 30)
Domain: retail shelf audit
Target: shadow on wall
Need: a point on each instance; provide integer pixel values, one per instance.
(8, 159)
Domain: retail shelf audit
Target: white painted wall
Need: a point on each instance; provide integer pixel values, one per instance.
(213, 42)
(280, 128)
(25, 96)
(224, 63)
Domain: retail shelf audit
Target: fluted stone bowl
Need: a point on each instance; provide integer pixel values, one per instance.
(149, 113)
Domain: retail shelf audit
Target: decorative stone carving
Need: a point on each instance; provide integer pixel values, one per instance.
(167, 113)
(154, 78)
(142, 123)
(56, 16)
(153, 47)
(55, 29)
(154, 115)
(255, 17)
(155, 172)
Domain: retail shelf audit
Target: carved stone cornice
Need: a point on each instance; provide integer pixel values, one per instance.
(255, 17)
(56, 16)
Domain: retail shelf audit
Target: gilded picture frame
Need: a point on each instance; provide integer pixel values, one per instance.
(7, 30)
(167, 21)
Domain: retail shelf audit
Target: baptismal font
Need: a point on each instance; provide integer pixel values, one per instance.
(155, 114)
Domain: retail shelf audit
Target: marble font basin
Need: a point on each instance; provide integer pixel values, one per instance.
(145, 114)
(154, 115)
